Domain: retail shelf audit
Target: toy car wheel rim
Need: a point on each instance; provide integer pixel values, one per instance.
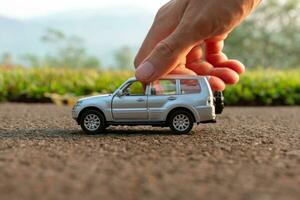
(181, 122)
(92, 122)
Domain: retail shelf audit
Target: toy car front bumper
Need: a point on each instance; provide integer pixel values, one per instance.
(75, 112)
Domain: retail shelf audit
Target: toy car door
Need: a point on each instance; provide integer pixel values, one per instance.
(131, 104)
(162, 94)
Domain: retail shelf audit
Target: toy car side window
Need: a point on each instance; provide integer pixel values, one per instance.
(190, 86)
(135, 89)
(163, 87)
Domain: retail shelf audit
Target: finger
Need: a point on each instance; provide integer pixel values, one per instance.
(227, 75)
(200, 67)
(215, 56)
(214, 47)
(220, 61)
(183, 70)
(213, 50)
(235, 65)
(165, 22)
(166, 56)
(204, 68)
(217, 38)
(196, 54)
(216, 59)
(216, 83)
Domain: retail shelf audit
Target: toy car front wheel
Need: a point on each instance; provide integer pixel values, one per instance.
(181, 122)
(92, 122)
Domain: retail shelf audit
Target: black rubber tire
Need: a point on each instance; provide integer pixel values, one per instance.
(102, 126)
(188, 114)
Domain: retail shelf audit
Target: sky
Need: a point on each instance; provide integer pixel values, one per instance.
(24, 9)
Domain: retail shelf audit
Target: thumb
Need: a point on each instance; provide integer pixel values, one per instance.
(166, 55)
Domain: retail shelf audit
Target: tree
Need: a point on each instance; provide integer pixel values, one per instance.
(32, 60)
(7, 60)
(270, 37)
(124, 58)
(65, 51)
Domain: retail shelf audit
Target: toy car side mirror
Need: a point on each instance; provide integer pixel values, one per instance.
(120, 93)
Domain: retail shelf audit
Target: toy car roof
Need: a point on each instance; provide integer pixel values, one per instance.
(176, 76)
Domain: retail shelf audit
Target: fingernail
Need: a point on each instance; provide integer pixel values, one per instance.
(144, 71)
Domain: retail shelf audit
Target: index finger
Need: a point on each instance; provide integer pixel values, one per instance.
(165, 22)
(217, 58)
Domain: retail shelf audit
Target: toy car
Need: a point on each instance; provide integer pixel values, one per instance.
(175, 101)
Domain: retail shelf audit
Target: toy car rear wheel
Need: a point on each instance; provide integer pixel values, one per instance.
(92, 122)
(181, 122)
(219, 102)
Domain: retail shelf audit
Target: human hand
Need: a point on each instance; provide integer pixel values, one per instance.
(187, 37)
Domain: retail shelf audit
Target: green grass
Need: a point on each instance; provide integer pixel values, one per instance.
(259, 87)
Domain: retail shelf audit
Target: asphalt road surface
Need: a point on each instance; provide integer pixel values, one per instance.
(251, 153)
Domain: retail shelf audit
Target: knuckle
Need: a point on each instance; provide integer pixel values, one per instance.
(164, 49)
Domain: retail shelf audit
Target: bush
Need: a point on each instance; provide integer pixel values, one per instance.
(266, 87)
(258, 87)
(35, 84)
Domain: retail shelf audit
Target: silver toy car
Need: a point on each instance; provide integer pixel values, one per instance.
(174, 101)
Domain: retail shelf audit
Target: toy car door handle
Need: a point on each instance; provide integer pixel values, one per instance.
(140, 100)
(172, 98)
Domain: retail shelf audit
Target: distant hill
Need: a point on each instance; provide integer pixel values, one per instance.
(103, 31)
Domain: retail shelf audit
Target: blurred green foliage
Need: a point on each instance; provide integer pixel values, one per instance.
(34, 84)
(269, 37)
(266, 87)
(258, 87)
(135, 89)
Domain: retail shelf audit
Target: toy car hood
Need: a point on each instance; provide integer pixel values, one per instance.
(103, 96)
